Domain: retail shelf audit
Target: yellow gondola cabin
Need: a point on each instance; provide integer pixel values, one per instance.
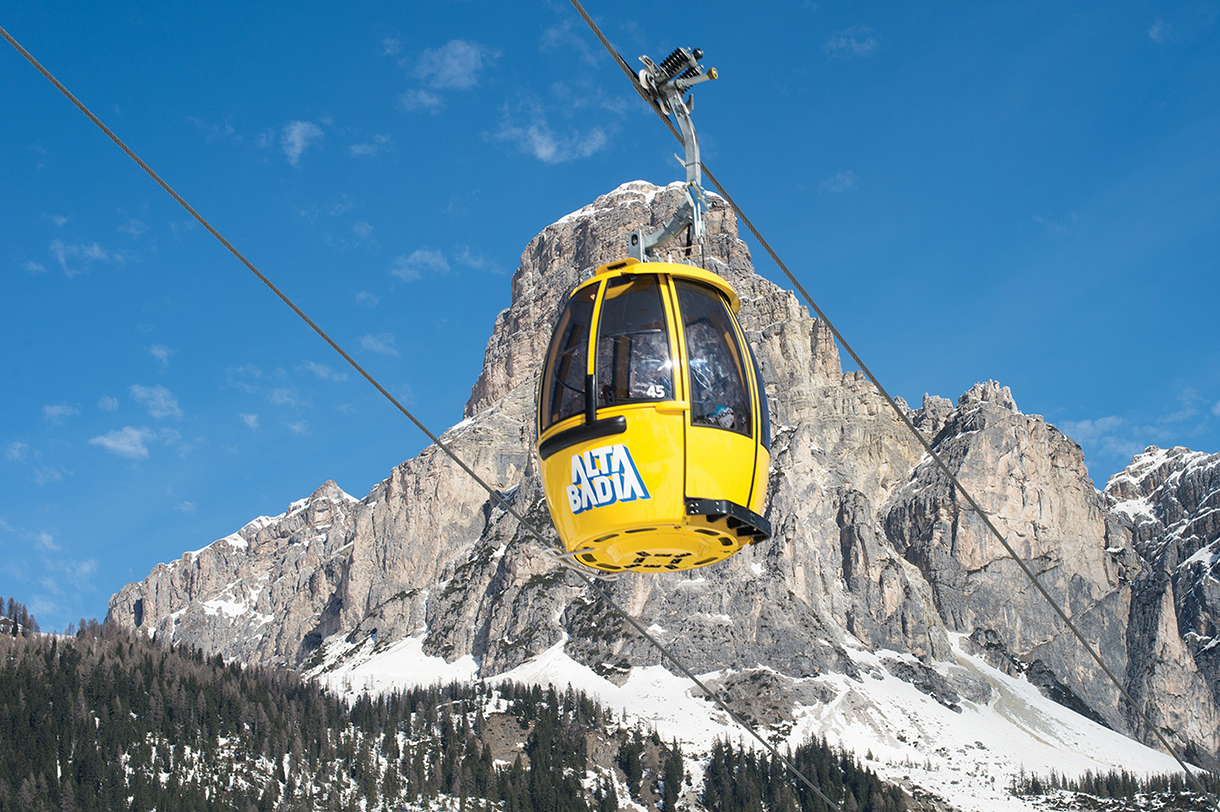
(654, 447)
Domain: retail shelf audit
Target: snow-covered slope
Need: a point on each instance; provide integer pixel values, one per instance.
(966, 754)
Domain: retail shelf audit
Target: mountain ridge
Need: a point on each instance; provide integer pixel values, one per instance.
(871, 545)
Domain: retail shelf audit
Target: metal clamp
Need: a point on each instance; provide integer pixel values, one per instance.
(665, 84)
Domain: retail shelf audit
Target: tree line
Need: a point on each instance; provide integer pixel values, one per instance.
(105, 720)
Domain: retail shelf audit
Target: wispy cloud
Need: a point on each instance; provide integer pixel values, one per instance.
(301, 427)
(535, 137)
(843, 182)
(418, 99)
(17, 452)
(133, 227)
(420, 262)
(283, 396)
(476, 262)
(75, 258)
(246, 377)
(34, 267)
(185, 507)
(563, 36)
(455, 65)
(1117, 439)
(45, 541)
(362, 229)
(366, 299)
(44, 474)
(131, 442)
(251, 421)
(213, 131)
(56, 414)
(1160, 32)
(298, 136)
(108, 404)
(159, 401)
(370, 149)
(851, 43)
(325, 372)
(162, 353)
(381, 343)
(1110, 435)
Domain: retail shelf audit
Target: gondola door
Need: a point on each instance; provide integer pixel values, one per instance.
(721, 429)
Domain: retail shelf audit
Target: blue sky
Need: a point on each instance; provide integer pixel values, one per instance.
(1020, 192)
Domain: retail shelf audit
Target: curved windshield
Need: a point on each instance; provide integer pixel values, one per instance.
(563, 393)
(633, 362)
(719, 397)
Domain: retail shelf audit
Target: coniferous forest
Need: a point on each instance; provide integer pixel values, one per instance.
(104, 720)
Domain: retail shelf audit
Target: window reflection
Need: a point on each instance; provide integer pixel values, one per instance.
(717, 376)
(633, 362)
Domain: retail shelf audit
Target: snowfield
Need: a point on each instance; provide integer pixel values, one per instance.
(967, 757)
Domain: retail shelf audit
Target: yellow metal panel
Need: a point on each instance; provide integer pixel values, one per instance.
(719, 464)
(592, 488)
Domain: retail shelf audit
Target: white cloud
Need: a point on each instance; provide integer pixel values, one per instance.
(382, 343)
(298, 136)
(392, 46)
(212, 131)
(59, 220)
(453, 66)
(34, 267)
(46, 473)
(108, 404)
(325, 372)
(185, 507)
(1216, 408)
(421, 261)
(857, 41)
(16, 451)
(1160, 31)
(244, 377)
(1111, 436)
(159, 401)
(161, 352)
(80, 254)
(284, 396)
(419, 99)
(126, 442)
(250, 420)
(842, 182)
(46, 541)
(363, 297)
(362, 229)
(538, 139)
(301, 427)
(476, 261)
(563, 35)
(55, 414)
(370, 149)
(133, 227)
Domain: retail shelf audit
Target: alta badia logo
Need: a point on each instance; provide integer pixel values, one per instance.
(604, 476)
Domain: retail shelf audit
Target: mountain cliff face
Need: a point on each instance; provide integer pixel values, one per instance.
(872, 547)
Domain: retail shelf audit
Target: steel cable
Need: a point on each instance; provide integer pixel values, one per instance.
(589, 580)
(902, 415)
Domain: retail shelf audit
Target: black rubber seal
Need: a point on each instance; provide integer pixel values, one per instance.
(606, 427)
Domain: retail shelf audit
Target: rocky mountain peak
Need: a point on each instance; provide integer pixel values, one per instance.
(988, 392)
(873, 550)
